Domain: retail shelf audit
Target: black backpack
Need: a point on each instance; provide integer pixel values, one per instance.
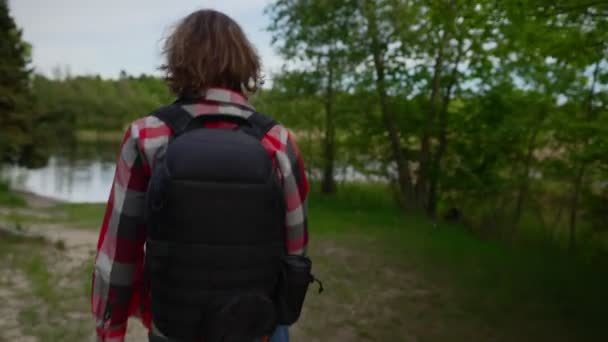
(215, 252)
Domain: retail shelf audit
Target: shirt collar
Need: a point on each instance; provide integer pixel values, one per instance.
(227, 96)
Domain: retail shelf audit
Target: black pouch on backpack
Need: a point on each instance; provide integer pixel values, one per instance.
(295, 278)
(244, 317)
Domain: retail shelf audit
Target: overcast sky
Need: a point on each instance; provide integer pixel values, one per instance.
(104, 37)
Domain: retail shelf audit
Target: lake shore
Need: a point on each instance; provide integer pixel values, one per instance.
(34, 200)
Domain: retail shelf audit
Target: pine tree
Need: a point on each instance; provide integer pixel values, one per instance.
(15, 97)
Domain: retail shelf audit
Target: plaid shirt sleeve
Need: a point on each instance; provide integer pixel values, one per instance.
(120, 249)
(295, 187)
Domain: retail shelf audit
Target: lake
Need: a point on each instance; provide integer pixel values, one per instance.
(84, 174)
(81, 181)
(80, 172)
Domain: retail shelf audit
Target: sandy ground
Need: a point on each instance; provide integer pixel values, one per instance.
(78, 249)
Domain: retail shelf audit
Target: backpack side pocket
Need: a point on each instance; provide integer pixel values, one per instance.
(293, 284)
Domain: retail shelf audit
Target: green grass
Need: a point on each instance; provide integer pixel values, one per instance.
(49, 296)
(9, 198)
(80, 215)
(512, 286)
(27, 255)
(84, 215)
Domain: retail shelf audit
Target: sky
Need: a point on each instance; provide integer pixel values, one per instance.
(105, 37)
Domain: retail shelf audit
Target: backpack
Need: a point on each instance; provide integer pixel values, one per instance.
(215, 217)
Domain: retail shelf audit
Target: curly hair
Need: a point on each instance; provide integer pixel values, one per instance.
(209, 49)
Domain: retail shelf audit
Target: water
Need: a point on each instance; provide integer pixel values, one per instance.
(89, 181)
(77, 181)
(83, 173)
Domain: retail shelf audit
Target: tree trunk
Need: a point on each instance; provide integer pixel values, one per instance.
(522, 192)
(328, 183)
(580, 174)
(309, 152)
(403, 172)
(578, 184)
(435, 175)
(424, 169)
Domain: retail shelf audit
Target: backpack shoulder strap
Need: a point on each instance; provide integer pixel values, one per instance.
(262, 124)
(178, 119)
(175, 116)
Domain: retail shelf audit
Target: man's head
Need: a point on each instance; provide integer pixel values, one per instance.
(209, 49)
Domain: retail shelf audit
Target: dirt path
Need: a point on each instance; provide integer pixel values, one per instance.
(354, 309)
(79, 246)
(366, 299)
(10, 329)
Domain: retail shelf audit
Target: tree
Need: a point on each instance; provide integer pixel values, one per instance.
(16, 141)
(497, 109)
(571, 35)
(419, 47)
(376, 43)
(312, 32)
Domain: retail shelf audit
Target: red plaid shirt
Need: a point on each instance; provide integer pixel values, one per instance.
(117, 278)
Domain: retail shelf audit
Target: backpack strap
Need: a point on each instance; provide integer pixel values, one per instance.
(262, 124)
(175, 116)
(178, 119)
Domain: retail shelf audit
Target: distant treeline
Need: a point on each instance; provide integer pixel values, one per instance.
(93, 103)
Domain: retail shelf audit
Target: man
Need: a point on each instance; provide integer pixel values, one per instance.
(182, 185)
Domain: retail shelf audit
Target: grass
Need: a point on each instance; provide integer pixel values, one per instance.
(80, 215)
(48, 296)
(510, 287)
(9, 198)
(83, 215)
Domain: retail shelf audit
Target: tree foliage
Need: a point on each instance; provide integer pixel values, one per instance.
(93, 103)
(16, 119)
(492, 109)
